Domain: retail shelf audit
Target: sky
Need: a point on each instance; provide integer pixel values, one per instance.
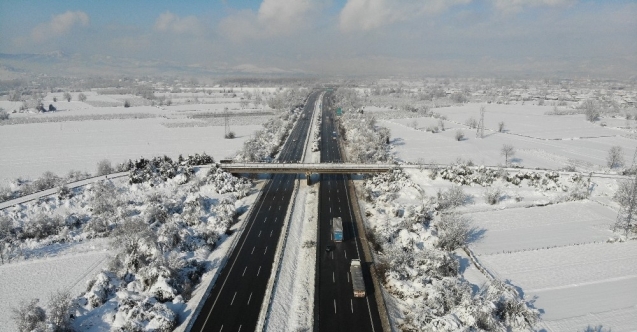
(340, 37)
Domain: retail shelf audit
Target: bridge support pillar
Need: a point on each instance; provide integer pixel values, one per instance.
(308, 178)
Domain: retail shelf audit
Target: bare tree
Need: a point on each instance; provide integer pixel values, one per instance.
(81, 97)
(507, 151)
(501, 126)
(615, 157)
(625, 196)
(591, 110)
(67, 96)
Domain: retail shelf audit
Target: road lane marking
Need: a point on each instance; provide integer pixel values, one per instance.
(347, 277)
(351, 303)
(266, 250)
(269, 187)
(259, 234)
(239, 330)
(333, 277)
(334, 305)
(345, 251)
(249, 298)
(233, 296)
(259, 271)
(270, 208)
(244, 271)
(221, 328)
(271, 233)
(332, 255)
(371, 320)
(252, 250)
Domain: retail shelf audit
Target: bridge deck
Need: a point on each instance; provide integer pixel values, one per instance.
(322, 168)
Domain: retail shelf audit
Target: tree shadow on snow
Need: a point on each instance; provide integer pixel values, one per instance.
(476, 235)
(398, 141)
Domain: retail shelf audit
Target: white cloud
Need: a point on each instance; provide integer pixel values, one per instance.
(169, 22)
(279, 16)
(513, 6)
(59, 25)
(274, 18)
(371, 14)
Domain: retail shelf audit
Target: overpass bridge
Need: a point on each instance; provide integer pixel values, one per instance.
(308, 168)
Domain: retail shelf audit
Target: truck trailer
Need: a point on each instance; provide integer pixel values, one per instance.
(337, 229)
(357, 278)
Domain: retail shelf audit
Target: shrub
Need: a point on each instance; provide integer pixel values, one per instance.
(459, 135)
(230, 135)
(492, 195)
(126, 103)
(451, 198)
(3, 115)
(472, 123)
(59, 311)
(81, 97)
(453, 232)
(104, 167)
(67, 96)
(29, 316)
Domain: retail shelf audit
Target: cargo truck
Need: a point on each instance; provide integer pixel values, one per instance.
(357, 278)
(337, 229)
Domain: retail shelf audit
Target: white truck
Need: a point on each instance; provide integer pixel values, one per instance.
(357, 278)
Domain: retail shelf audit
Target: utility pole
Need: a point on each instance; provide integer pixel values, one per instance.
(625, 214)
(480, 130)
(226, 120)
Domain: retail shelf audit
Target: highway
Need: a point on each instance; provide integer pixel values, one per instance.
(235, 301)
(338, 309)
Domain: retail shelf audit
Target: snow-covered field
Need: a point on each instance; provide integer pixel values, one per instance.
(545, 141)
(79, 134)
(38, 278)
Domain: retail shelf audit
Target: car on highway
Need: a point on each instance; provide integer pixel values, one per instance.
(329, 248)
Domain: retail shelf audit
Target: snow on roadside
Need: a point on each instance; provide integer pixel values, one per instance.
(293, 296)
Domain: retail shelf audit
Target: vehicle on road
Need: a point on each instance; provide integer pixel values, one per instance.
(337, 229)
(357, 278)
(329, 248)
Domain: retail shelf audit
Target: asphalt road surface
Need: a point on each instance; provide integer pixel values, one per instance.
(236, 298)
(338, 309)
